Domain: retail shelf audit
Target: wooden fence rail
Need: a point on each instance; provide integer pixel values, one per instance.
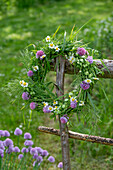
(108, 63)
(79, 136)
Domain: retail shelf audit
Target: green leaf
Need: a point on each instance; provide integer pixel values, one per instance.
(80, 29)
(91, 102)
(105, 66)
(56, 31)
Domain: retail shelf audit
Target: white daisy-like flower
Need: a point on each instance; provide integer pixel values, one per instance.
(66, 100)
(45, 104)
(72, 99)
(81, 60)
(94, 78)
(56, 107)
(57, 49)
(48, 39)
(21, 82)
(43, 56)
(83, 56)
(70, 94)
(87, 81)
(25, 84)
(50, 108)
(51, 45)
(71, 59)
(55, 103)
(35, 68)
(81, 103)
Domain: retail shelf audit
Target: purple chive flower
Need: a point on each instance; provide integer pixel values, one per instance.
(60, 165)
(28, 143)
(30, 73)
(33, 151)
(33, 105)
(29, 148)
(51, 159)
(39, 150)
(66, 116)
(1, 151)
(24, 150)
(6, 133)
(63, 120)
(73, 104)
(35, 156)
(34, 163)
(20, 156)
(90, 59)
(81, 51)
(16, 149)
(27, 135)
(39, 53)
(2, 155)
(18, 132)
(2, 145)
(1, 133)
(39, 159)
(46, 110)
(84, 85)
(8, 142)
(10, 149)
(45, 153)
(25, 96)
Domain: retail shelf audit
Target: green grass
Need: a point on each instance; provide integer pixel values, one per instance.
(20, 27)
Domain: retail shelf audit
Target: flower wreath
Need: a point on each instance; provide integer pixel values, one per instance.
(39, 93)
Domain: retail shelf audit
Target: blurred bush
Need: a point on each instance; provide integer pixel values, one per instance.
(8, 4)
(101, 36)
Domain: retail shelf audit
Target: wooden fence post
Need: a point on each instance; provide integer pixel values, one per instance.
(60, 71)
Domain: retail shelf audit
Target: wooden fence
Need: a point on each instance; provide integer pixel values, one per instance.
(62, 67)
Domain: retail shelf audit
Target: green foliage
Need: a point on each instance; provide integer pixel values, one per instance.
(102, 36)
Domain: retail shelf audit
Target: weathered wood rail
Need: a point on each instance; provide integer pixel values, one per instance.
(79, 136)
(108, 63)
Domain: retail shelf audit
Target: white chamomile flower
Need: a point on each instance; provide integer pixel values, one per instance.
(56, 108)
(45, 104)
(43, 56)
(71, 59)
(87, 81)
(21, 82)
(83, 56)
(50, 108)
(55, 103)
(57, 49)
(35, 68)
(94, 78)
(66, 100)
(48, 39)
(81, 60)
(70, 94)
(81, 103)
(25, 84)
(51, 45)
(74, 91)
(72, 99)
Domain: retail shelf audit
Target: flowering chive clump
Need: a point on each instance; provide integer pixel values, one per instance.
(39, 94)
(9, 150)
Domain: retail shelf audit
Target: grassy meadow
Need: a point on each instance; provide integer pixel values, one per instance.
(23, 25)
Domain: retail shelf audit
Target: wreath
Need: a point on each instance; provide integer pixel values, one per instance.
(39, 94)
